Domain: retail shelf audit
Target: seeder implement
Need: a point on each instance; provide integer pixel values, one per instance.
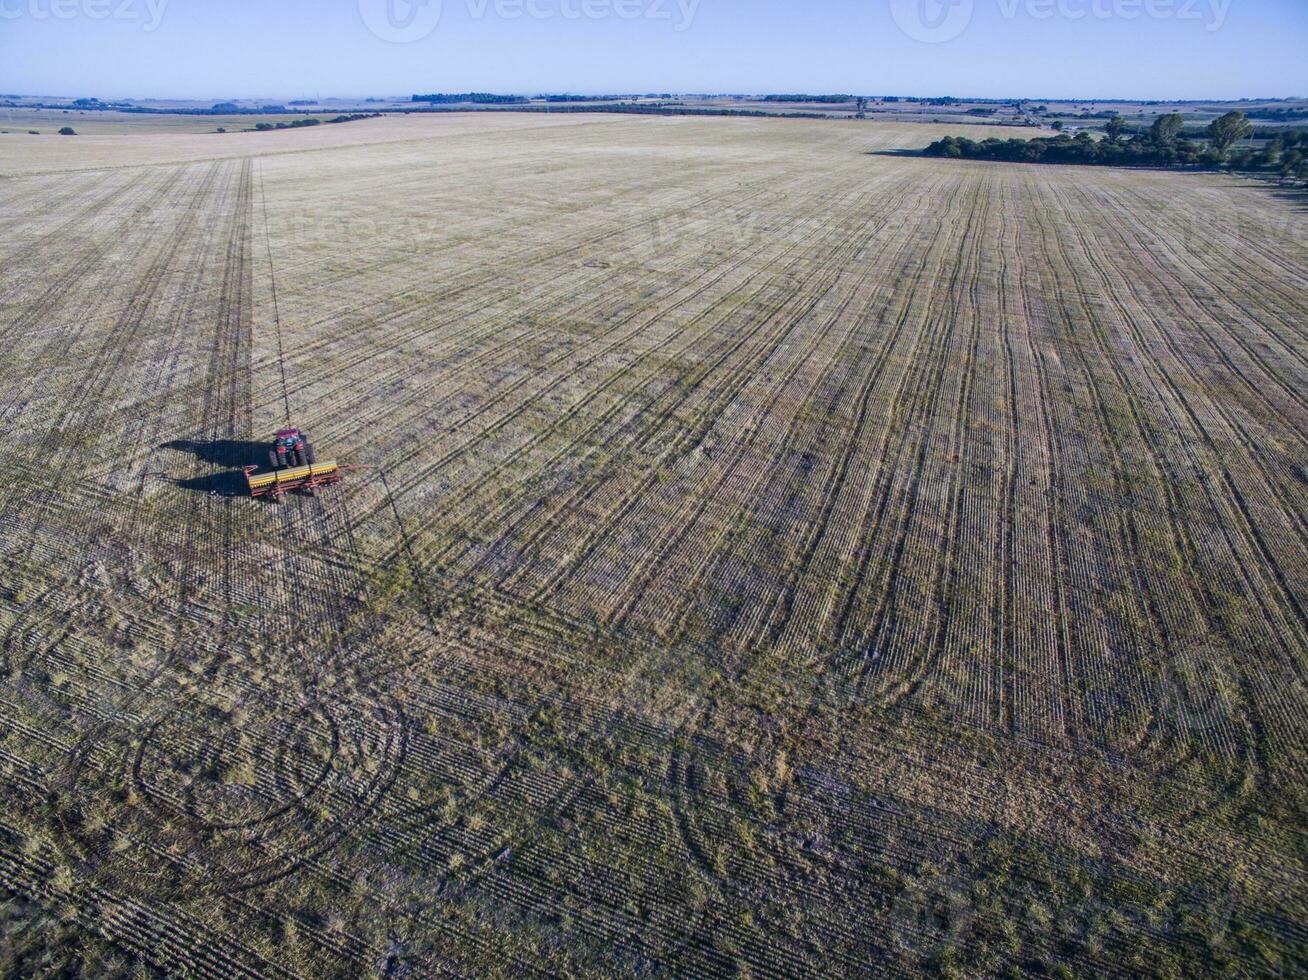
(281, 482)
(292, 467)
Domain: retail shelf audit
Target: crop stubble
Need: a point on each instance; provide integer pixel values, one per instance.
(774, 557)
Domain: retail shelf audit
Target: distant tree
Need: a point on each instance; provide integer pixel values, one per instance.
(1115, 127)
(33, 132)
(68, 131)
(1167, 127)
(804, 97)
(1142, 151)
(1226, 130)
(1058, 125)
(477, 98)
(220, 130)
(1292, 165)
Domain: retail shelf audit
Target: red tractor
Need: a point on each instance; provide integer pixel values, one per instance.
(290, 448)
(292, 468)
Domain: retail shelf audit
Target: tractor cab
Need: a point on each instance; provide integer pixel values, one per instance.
(290, 448)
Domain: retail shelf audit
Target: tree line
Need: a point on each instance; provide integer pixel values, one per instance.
(264, 127)
(477, 98)
(1162, 146)
(800, 97)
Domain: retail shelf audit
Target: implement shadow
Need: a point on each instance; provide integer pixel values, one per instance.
(231, 454)
(1297, 197)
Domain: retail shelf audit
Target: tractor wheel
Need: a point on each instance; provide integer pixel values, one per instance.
(310, 456)
(281, 460)
(272, 459)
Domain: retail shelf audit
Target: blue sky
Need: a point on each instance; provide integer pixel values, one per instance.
(294, 48)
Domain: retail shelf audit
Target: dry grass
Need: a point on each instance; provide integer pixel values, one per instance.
(775, 558)
(48, 122)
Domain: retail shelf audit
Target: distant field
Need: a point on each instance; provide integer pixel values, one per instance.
(973, 118)
(774, 558)
(50, 121)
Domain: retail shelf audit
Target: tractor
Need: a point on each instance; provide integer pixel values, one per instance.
(290, 448)
(292, 467)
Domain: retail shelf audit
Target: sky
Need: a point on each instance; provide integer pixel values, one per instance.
(286, 49)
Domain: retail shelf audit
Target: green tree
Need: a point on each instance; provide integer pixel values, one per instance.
(1115, 127)
(1058, 125)
(1167, 128)
(1292, 165)
(1226, 130)
(1272, 151)
(68, 131)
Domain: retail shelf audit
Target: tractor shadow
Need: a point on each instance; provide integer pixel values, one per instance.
(230, 454)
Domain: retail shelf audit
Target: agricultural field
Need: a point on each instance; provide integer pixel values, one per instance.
(48, 122)
(775, 556)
